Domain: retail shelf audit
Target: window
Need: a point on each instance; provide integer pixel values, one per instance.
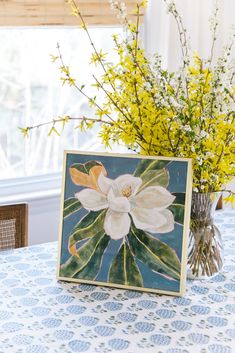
(31, 92)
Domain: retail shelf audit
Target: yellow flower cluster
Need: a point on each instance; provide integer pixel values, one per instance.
(188, 113)
(185, 114)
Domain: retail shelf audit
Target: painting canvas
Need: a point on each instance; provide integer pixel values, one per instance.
(125, 221)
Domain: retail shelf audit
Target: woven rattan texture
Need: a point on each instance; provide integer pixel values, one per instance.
(7, 234)
(13, 226)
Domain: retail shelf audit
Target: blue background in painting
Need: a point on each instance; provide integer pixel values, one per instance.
(116, 166)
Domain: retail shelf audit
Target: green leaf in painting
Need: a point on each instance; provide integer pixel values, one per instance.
(142, 165)
(179, 198)
(91, 270)
(88, 227)
(85, 167)
(178, 212)
(155, 254)
(155, 178)
(124, 269)
(149, 164)
(71, 205)
(83, 256)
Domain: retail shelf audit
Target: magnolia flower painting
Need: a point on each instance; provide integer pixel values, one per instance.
(123, 221)
(121, 199)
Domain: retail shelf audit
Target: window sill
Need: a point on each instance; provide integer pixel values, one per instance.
(32, 196)
(30, 188)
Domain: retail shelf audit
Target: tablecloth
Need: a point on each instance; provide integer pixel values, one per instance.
(38, 314)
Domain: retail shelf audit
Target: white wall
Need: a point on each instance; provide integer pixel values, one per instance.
(44, 216)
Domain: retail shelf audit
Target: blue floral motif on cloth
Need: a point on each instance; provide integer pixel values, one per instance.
(40, 315)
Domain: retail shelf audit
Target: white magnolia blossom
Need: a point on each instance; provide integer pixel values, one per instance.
(147, 208)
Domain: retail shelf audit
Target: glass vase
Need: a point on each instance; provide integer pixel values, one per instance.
(205, 256)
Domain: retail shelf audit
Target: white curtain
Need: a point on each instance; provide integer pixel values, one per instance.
(161, 34)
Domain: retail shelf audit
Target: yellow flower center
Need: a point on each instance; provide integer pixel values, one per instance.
(127, 191)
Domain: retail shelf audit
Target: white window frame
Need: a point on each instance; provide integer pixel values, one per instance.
(39, 187)
(31, 188)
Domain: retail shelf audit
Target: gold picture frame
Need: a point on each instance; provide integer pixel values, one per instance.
(125, 221)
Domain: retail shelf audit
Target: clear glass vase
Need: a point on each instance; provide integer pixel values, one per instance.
(205, 256)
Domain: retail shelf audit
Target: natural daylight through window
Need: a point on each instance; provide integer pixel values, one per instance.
(31, 92)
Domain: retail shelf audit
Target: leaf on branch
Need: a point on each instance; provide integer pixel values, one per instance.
(75, 12)
(72, 81)
(100, 113)
(53, 130)
(65, 120)
(54, 58)
(25, 131)
(64, 80)
(97, 57)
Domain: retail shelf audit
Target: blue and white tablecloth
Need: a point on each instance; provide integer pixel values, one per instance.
(40, 315)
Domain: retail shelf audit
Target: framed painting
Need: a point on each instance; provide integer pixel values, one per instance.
(125, 221)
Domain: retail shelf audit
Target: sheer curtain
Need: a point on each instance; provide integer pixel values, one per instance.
(161, 34)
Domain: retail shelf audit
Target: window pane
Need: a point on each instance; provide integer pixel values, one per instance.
(31, 92)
